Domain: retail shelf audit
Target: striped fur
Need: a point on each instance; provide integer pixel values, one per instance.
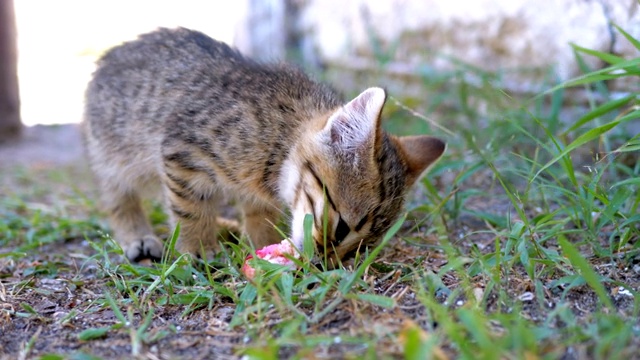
(181, 115)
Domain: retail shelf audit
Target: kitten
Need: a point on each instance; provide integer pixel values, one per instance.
(179, 112)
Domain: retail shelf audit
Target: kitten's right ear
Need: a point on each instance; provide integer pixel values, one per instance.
(353, 127)
(420, 152)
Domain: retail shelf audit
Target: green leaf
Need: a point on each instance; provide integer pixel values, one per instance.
(51, 357)
(93, 334)
(170, 253)
(632, 181)
(594, 76)
(115, 308)
(631, 39)
(286, 285)
(379, 300)
(416, 346)
(13, 254)
(475, 323)
(599, 111)
(308, 247)
(246, 298)
(165, 274)
(146, 322)
(493, 219)
(610, 58)
(29, 309)
(589, 275)
(268, 352)
(190, 298)
(581, 140)
(632, 145)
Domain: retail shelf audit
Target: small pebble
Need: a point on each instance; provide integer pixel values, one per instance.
(527, 296)
(443, 292)
(624, 292)
(478, 293)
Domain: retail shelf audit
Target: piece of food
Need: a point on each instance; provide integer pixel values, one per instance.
(275, 254)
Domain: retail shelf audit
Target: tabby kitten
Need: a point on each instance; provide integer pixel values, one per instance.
(179, 112)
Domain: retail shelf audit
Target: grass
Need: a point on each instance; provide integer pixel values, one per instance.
(523, 242)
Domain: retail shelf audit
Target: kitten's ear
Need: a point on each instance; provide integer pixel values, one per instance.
(420, 152)
(353, 127)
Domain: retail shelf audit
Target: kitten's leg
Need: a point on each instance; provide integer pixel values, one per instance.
(259, 224)
(198, 222)
(228, 229)
(130, 225)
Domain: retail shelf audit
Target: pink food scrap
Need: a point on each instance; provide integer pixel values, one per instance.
(274, 254)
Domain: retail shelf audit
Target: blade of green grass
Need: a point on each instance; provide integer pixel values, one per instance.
(631, 39)
(600, 111)
(93, 333)
(379, 300)
(607, 57)
(589, 275)
(581, 140)
(607, 73)
(116, 310)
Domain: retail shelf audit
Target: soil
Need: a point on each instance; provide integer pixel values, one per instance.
(44, 146)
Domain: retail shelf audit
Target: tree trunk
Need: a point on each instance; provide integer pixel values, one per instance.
(10, 124)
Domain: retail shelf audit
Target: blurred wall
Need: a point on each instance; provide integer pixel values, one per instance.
(527, 38)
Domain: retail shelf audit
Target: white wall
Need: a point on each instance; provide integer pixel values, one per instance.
(491, 34)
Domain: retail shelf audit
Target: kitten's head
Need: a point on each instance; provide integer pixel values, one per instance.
(354, 172)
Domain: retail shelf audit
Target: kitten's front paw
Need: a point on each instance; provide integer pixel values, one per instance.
(148, 247)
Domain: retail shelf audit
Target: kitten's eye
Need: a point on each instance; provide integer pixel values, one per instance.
(361, 223)
(342, 230)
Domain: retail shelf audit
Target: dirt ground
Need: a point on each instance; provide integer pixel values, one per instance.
(64, 308)
(43, 146)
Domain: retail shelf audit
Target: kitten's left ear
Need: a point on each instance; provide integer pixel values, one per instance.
(419, 153)
(353, 127)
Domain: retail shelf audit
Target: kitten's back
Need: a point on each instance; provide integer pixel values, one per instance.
(143, 80)
(172, 70)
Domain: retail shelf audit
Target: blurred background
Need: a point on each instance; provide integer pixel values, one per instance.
(356, 43)
(535, 203)
(59, 42)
